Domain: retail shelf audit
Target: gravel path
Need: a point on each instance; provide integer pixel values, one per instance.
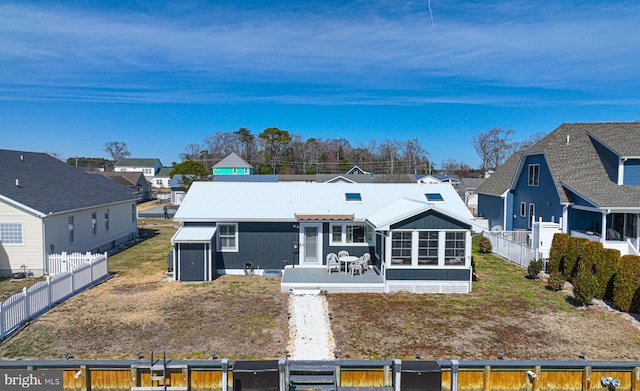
(310, 336)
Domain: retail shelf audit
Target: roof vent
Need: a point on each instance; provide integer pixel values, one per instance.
(568, 142)
(17, 182)
(22, 157)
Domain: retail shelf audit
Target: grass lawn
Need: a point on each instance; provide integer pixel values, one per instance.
(241, 317)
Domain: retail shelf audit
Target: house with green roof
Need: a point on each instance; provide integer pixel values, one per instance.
(232, 165)
(48, 206)
(583, 176)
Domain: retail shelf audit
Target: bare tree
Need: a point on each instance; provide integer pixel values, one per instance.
(493, 147)
(117, 150)
(192, 152)
(389, 151)
(529, 142)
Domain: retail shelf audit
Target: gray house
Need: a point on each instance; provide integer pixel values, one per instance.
(48, 206)
(418, 236)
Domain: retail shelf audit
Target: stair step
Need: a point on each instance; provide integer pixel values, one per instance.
(157, 378)
(309, 379)
(313, 388)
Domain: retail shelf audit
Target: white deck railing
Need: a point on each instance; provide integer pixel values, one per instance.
(39, 298)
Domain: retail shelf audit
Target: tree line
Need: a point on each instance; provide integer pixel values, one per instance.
(276, 151)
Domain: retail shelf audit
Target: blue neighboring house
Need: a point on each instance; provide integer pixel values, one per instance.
(584, 176)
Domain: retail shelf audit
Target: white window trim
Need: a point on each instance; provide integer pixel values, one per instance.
(534, 180)
(368, 235)
(523, 209)
(227, 249)
(442, 238)
(531, 216)
(21, 235)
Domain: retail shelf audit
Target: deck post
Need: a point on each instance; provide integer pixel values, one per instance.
(455, 365)
(397, 364)
(282, 367)
(225, 374)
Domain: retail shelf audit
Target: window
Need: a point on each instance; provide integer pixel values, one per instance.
(349, 234)
(353, 197)
(401, 248)
(227, 237)
(434, 197)
(534, 174)
(532, 214)
(94, 223)
(428, 248)
(158, 182)
(11, 233)
(70, 226)
(523, 209)
(454, 248)
(106, 219)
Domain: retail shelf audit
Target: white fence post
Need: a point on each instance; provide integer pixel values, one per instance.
(25, 293)
(49, 293)
(2, 321)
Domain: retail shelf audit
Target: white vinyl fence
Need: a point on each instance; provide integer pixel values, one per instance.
(514, 246)
(60, 263)
(39, 298)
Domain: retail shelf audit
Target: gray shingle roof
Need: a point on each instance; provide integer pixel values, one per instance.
(576, 165)
(232, 161)
(137, 162)
(49, 185)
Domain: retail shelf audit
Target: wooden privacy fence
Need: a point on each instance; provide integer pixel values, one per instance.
(39, 298)
(60, 263)
(513, 246)
(383, 375)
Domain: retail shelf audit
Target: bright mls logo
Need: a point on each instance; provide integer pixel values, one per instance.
(15, 379)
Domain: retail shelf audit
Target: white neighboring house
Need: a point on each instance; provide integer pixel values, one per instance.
(149, 167)
(162, 179)
(48, 206)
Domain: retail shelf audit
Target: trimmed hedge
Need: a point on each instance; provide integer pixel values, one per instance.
(574, 254)
(626, 285)
(558, 252)
(606, 271)
(585, 284)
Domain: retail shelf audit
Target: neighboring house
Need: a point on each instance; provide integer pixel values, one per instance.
(177, 188)
(418, 236)
(232, 165)
(438, 178)
(161, 179)
(133, 180)
(467, 189)
(584, 176)
(149, 167)
(48, 206)
(355, 170)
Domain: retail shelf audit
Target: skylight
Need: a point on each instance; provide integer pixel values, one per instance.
(434, 197)
(353, 197)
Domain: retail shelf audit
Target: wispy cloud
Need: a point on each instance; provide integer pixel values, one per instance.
(509, 51)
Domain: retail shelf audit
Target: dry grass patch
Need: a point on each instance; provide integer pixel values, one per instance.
(506, 313)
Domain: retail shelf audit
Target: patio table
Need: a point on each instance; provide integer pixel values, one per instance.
(347, 260)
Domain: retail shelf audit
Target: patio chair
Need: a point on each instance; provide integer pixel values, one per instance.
(343, 253)
(361, 265)
(332, 262)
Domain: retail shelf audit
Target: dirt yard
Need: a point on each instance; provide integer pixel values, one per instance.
(239, 317)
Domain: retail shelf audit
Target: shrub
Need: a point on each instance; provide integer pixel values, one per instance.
(556, 281)
(572, 259)
(484, 246)
(535, 267)
(606, 271)
(585, 285)
(558, 252)
(626, 285)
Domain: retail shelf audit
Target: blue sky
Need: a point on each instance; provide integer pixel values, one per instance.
(160, 75)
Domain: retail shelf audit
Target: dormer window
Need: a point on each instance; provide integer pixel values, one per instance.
(433, 197)
(353, 197)
(534, 174)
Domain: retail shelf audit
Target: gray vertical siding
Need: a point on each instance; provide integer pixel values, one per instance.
(430, 220)
(193, 261)
(267, 245)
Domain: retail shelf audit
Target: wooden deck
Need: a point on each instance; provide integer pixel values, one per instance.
(306, 278)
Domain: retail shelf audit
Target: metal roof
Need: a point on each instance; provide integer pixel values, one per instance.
(193, 234)
(236, 201)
